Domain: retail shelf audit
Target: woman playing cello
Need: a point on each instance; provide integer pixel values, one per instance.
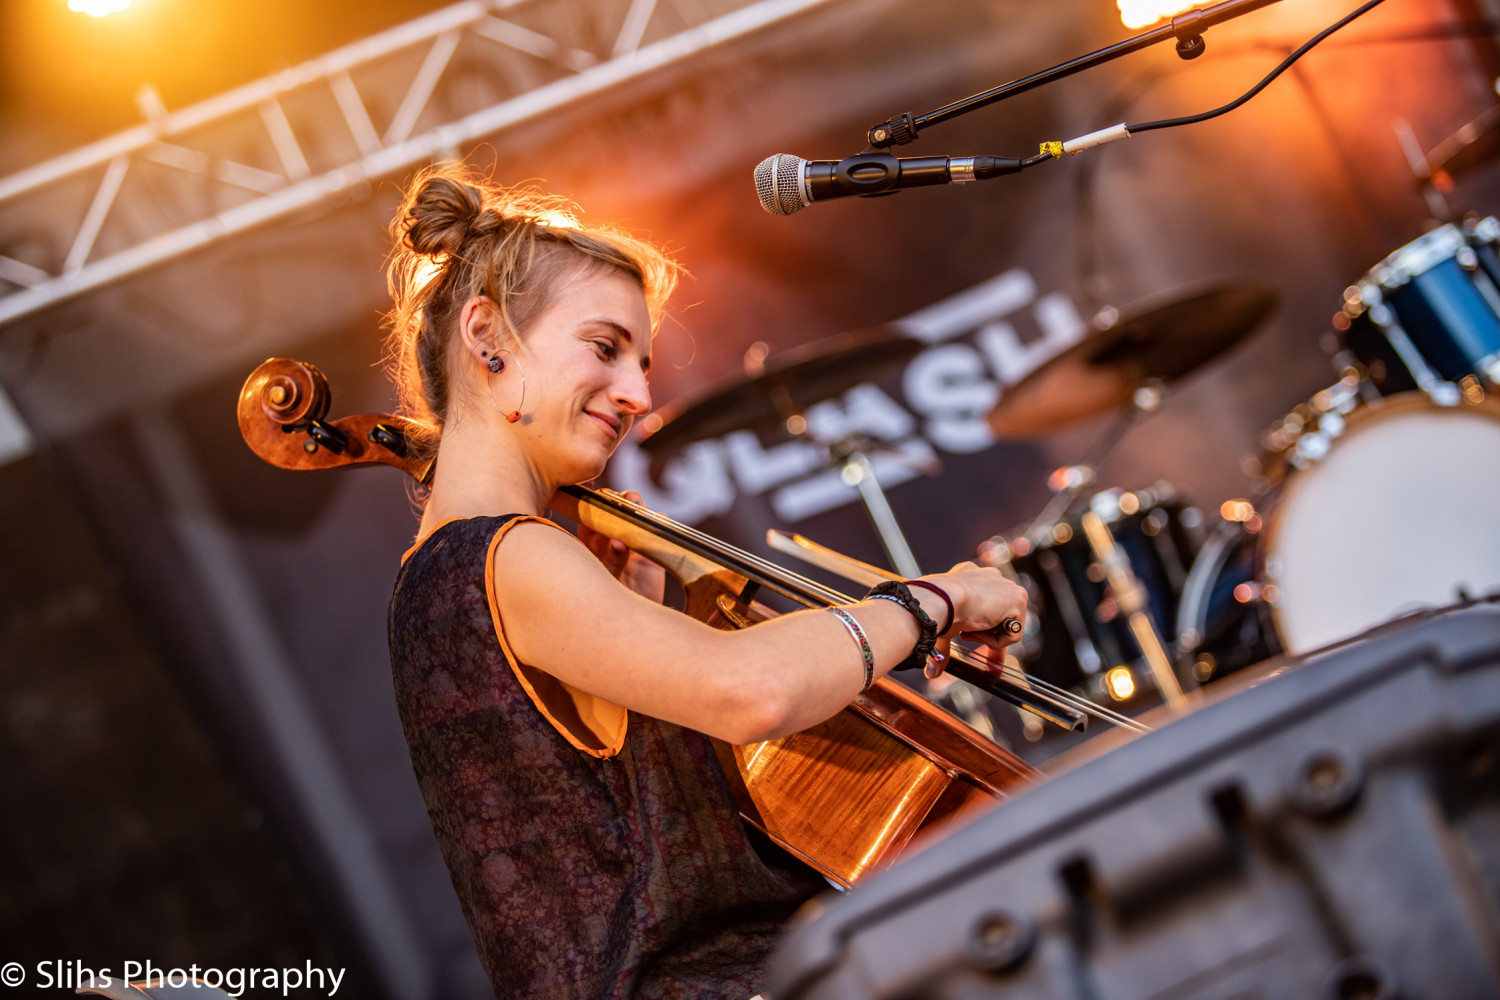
(558, 714)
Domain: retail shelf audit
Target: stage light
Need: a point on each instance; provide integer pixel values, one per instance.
(1141, 13)
(1120, 682)
(98, 8)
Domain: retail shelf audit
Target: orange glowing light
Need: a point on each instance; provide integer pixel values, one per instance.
(1237, 510)
(1120, 682)
(98, 8)
(1142, 13)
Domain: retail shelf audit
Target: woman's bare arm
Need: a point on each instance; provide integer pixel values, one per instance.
(564, 613)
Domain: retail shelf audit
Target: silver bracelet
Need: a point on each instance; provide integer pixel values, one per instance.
(864, 644)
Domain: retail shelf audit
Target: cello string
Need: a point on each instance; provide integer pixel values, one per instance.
(793, 580)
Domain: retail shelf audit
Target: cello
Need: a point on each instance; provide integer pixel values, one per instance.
(848, 795)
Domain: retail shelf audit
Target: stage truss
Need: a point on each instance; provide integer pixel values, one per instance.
(323, 130)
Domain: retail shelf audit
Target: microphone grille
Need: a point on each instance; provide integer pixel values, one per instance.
(778, 181)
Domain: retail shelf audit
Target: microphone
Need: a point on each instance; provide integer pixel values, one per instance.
(788, 184)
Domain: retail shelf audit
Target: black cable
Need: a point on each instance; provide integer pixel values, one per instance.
(1285, 63)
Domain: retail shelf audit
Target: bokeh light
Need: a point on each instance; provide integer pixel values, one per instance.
(98, 8)
(1143, 13)
(1121, 683)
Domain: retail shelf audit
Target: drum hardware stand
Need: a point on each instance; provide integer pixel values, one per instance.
(1132, 600)
(1428, 179)
(1071, 481)
(849, 455)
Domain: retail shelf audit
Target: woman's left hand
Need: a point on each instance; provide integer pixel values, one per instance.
(632, 569)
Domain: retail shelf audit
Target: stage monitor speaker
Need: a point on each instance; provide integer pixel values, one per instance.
(1332, 833)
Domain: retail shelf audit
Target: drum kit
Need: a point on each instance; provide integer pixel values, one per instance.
(1374, 498)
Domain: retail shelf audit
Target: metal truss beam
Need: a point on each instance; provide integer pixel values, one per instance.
(283, 144)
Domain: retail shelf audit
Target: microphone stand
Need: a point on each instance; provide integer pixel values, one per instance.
(1187, 28)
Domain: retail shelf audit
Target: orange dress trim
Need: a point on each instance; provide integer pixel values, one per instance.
(588, 722)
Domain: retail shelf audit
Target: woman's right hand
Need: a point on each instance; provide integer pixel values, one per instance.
(983, 598)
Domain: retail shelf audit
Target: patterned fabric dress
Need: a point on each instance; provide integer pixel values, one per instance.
(581, 873)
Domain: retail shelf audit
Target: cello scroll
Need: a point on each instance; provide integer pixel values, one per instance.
(283, 410)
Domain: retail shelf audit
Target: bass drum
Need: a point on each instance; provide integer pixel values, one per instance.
(1400, 514)
(1385, 508)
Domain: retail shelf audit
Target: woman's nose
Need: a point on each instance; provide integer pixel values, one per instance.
(631, 394)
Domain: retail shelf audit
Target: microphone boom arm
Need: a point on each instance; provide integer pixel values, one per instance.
(1187, 28)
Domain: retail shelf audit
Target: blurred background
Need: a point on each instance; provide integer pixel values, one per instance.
(198, 745)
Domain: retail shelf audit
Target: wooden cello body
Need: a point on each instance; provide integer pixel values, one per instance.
(847, 796)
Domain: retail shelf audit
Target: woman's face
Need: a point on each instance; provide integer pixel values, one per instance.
(585, 359)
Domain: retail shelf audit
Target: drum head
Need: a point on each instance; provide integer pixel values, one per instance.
(1400, 515)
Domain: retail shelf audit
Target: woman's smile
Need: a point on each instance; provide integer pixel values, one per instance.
(608, 423)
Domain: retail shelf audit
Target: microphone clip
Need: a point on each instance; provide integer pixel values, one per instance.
(897, 131)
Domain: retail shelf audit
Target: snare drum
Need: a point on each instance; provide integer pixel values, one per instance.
(1428, 316)
(1385, 508)
(1074, 627)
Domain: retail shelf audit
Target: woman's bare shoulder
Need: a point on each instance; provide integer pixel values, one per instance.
(534, 551)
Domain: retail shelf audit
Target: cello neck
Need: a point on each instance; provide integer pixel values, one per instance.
(777, 579)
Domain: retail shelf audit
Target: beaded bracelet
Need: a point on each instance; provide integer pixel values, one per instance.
(893, 590)
(864, 644)
(943, 629)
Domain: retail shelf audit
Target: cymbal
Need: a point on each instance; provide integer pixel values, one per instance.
(787, 384)
(1102, 372)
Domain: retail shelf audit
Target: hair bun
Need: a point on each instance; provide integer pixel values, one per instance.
(442, 214)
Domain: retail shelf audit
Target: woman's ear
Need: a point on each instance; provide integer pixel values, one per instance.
(479, 327)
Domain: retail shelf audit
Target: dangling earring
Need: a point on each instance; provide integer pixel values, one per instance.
(497, 365)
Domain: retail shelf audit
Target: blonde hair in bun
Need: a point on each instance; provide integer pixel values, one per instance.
(458, 236)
